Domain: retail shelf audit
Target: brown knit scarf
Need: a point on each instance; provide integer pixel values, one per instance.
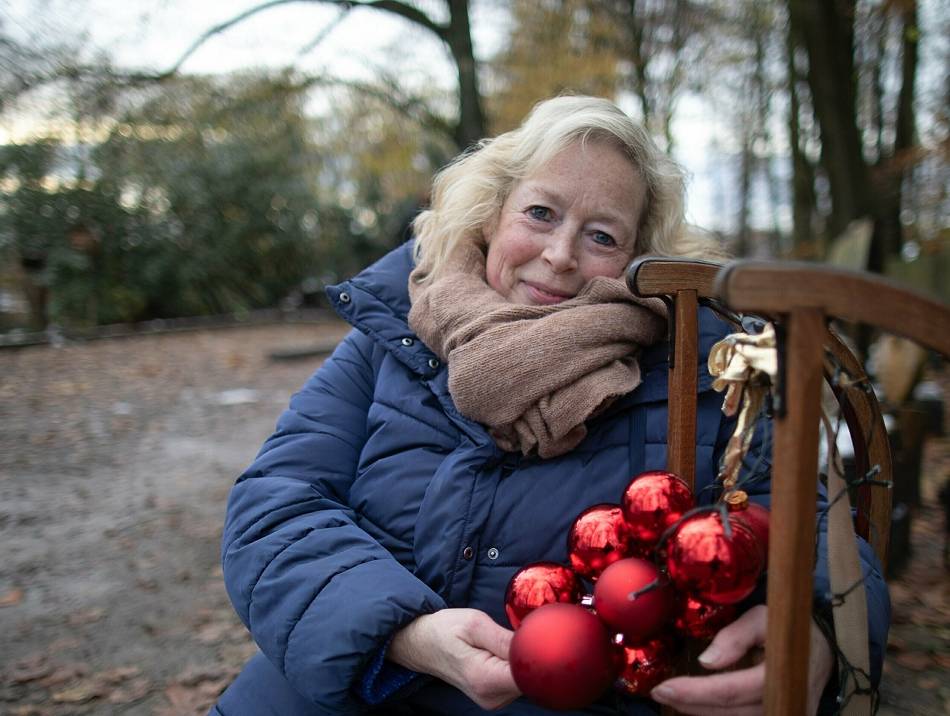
(532, 374)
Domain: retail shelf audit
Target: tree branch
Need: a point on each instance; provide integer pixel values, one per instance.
(392, 6)
(324, 33)
(389, 93)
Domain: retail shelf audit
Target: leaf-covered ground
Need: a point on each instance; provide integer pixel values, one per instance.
(116, 458)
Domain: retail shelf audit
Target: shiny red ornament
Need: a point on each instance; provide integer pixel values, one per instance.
(652, 502)
(538, 584)
(646, 665)
(702, 620)
(597, 539)
(712, 563)
(625, 604)
(753, 516)
(562, 657)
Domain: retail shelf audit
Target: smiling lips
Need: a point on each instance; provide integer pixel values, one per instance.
(545, 295)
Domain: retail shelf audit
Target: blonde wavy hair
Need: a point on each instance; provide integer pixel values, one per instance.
(467, 195)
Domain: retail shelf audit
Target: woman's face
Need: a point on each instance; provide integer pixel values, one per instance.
(575, 218)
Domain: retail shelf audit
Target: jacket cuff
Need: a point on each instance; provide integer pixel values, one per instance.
(381, 678)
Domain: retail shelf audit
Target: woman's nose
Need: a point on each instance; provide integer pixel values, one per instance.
(559, 251)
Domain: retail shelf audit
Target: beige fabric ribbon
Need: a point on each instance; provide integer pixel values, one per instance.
(532, 374)
(745, 366)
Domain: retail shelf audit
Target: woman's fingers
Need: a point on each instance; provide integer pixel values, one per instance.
(735, 640)
(704, 694)
(463, 647)
(484, 633)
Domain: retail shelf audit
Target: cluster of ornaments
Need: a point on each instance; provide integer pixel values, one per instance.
(661, 571)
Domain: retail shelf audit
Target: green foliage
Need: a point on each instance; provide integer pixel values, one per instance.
(203, 199)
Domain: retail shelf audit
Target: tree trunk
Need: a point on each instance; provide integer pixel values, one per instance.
(826, 30)
(893, 168)
(803, 173)
(471, 126)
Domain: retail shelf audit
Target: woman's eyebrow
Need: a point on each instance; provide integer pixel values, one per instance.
(535, 191)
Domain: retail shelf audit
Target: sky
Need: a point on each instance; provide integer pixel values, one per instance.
(154, 34)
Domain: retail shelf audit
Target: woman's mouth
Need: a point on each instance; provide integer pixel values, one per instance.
(545, 295)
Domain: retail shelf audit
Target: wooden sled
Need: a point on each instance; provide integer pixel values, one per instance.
(799, 299)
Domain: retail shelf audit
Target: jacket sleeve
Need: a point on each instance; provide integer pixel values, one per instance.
(318, 594)
(755, 479)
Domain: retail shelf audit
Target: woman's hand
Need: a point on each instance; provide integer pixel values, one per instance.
(464, 648)
(740, 693)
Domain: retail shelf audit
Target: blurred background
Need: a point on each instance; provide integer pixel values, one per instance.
(179, 181)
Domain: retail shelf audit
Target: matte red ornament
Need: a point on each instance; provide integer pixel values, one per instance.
(562, 657)
(597, 539)
(646, 665)
(702, 620)
(625, 605)
(712, 563)
(652, 502)
(538, 584)
(753, 516)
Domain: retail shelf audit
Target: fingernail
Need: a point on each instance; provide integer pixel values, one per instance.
(710, 656)
(662, 693)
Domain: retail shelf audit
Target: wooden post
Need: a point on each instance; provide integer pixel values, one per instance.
(681, 426)
(794, 486)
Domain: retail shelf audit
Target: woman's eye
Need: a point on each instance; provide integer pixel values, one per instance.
(603, 239)
(542, 213)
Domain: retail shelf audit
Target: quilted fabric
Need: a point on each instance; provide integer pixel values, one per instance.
(374, 502)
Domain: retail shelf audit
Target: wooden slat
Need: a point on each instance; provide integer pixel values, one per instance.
(794, 470)
(858, 297)
(683, 388)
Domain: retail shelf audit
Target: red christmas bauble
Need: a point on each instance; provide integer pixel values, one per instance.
(711, 563)
(538, 584)
(636, 616)
(646, 665)
(562, 657)
(597, 539)
(753, 516)
(702, 620)
(652, 502)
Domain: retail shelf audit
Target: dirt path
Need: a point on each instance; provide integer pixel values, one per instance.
(116, 458)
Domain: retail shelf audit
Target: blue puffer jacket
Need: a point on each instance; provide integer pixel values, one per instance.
(375, 501)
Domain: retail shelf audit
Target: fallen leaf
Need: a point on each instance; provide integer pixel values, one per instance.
(134, 690)
(87, 616)
(147, 584)
(31, 710)
(184, 701)
(895, 643)
(214, 632)
(62, 674)
(79, 694)
(11, 598)
(914, 660)
(63, 644)
(194, 675)
(30, 669)
(118, 674)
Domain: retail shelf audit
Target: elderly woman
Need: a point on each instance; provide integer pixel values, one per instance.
(499, 379)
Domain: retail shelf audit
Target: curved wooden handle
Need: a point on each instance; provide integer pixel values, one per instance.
(652, 276)
(763, 287)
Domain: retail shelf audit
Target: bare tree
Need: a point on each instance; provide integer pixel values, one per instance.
(858, 187)
(456, 33)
